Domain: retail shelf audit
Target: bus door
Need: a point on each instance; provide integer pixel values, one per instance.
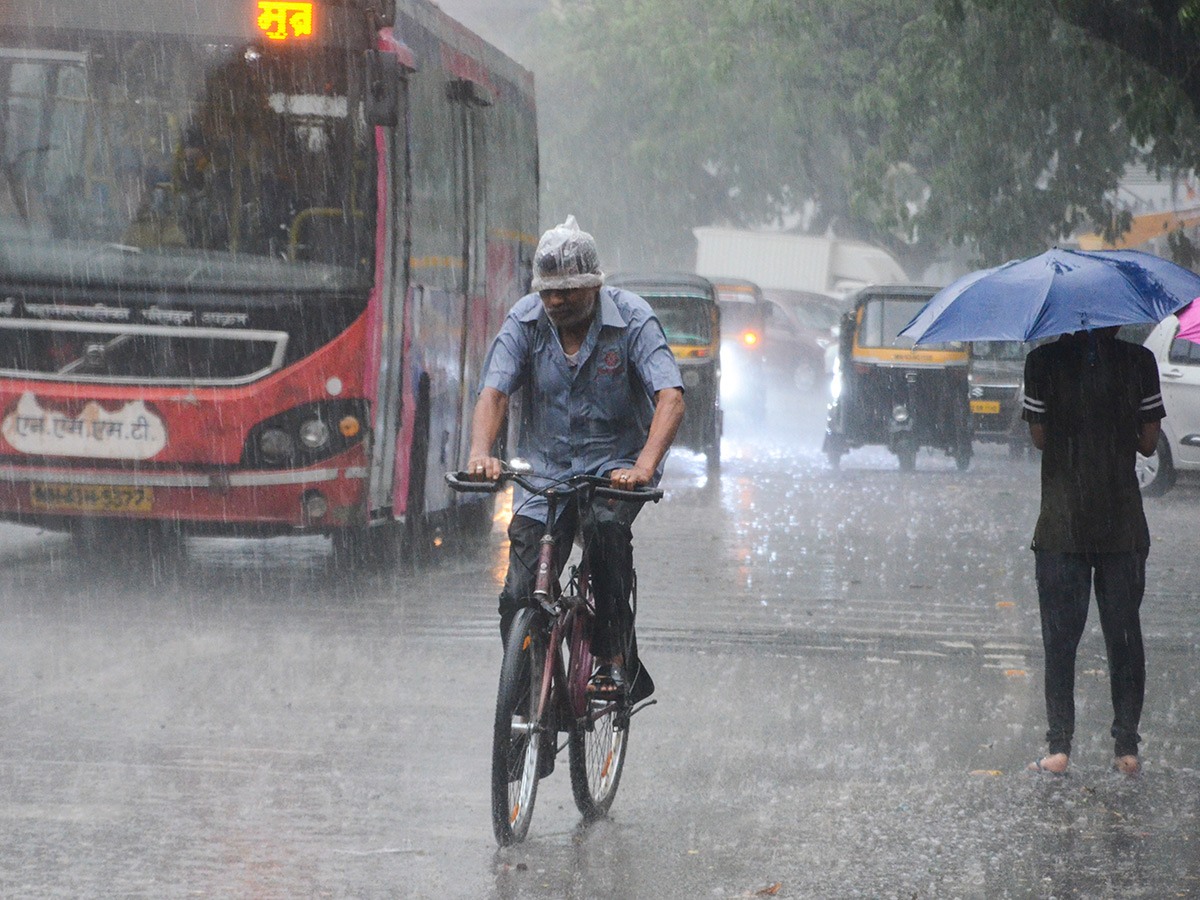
(448, 326)
(388, 100)
(387, 314)
(471, 168)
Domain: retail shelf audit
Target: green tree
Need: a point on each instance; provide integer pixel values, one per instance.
(1001, 128)
(658, 117)
(1014, 124)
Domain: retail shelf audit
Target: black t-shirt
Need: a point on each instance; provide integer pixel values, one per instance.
(1091, 394)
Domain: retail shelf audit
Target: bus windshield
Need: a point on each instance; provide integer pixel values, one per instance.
(168, 161)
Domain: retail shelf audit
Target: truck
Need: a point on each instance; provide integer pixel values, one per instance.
(800, 262)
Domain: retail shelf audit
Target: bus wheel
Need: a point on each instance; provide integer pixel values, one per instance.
(369, 549)
(155, 544)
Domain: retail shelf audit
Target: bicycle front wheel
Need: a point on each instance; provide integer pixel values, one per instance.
(597, 747)
(516, 742)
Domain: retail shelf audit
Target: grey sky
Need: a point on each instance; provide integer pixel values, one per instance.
(505, 23)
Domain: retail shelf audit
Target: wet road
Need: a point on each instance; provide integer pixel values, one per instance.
(849, 688)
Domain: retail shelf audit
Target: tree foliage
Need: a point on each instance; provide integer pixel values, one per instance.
(996, 125)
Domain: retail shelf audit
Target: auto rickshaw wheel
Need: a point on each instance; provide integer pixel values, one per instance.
(712, 458)
(962, 458)
(906, 452)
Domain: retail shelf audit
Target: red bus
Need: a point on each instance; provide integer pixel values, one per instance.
(251, 256)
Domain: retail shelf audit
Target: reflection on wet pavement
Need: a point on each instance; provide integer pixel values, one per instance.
(849, 688)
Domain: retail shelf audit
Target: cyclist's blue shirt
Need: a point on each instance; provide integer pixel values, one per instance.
(594, 416)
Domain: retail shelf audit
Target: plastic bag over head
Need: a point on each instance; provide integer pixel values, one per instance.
(566, 258)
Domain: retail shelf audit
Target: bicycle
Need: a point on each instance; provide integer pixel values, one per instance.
(545, 673)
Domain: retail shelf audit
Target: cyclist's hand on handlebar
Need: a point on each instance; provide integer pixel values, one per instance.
(630, 479)
(484, 468)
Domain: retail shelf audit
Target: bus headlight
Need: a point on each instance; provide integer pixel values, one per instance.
(275, 444)
(314, 434)
(305, 435)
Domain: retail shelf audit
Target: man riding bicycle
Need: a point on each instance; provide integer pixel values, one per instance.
(601, 395)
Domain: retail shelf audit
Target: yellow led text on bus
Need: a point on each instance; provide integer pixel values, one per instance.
(276, 16)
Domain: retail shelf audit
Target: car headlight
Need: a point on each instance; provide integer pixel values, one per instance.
(275, 444)
(314, 434)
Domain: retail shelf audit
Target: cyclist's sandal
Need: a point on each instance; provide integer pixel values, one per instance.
(608, 682)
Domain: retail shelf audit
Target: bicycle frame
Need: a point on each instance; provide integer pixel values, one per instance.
(570, 614)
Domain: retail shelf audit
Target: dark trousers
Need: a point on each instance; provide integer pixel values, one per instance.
(605, 529)
(1064, 583)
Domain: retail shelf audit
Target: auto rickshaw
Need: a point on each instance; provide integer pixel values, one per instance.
(686, 305)
(888, 391)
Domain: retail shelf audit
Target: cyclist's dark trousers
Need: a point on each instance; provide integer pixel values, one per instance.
(608, 538)
(1064, 583)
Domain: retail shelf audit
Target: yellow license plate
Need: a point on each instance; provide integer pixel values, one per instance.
(991, 407)
(88, 498)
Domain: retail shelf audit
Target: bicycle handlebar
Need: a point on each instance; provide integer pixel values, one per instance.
(599, 485)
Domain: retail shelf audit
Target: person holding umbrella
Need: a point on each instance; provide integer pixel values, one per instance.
(1092, 403)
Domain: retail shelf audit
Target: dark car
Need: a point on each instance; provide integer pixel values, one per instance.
(686, 306)
(801, 336)
(995, 383)
(743, 329)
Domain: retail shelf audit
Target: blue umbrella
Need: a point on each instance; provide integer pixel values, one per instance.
(1059, 292)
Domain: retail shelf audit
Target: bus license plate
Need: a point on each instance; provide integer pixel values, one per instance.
(87, 498)
(989, 407)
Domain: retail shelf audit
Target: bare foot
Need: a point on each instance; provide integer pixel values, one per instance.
(1054, 764)
(1127, 765)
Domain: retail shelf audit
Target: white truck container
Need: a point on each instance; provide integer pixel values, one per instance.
(794, 261)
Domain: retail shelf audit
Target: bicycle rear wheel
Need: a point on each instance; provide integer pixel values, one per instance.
(599, 734)
(597, 751)
(516, 742)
